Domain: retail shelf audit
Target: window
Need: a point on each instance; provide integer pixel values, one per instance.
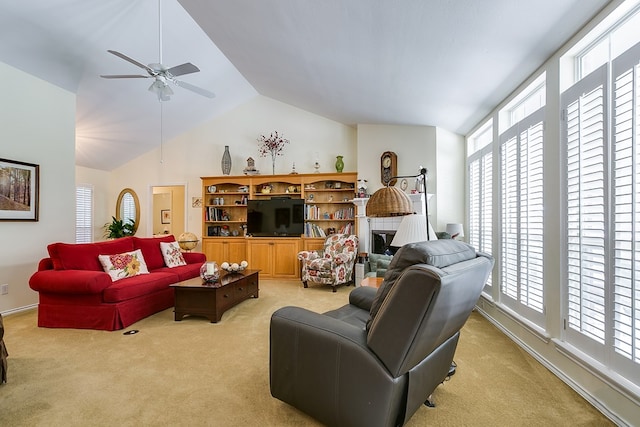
(610, 45)
(480, 173)
(480, 138)
(84, 213)
(521, 252)
(601, 139)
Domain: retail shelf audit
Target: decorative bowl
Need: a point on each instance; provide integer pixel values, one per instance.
(234, 267)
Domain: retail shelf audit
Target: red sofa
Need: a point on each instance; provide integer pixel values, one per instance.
(75, 292)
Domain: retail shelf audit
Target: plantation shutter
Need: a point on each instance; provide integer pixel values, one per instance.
(521, 258)
(480, 203)
(626, 204)
(84, 214)
(585, 139)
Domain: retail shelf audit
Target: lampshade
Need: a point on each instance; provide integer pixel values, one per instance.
(455, 230)
(413, 228)
(389, 201)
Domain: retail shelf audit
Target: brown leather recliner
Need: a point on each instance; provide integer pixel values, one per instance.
(374, 361)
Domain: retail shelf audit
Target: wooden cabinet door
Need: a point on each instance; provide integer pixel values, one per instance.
(221, 250)
(260, 254)
(236, 250)
(285, 259)
(213, 249)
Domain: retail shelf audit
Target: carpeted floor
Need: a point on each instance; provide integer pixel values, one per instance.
(195, 373)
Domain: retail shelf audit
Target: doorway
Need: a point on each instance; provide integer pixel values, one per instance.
(168, 210)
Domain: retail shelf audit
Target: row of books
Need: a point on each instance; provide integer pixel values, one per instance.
(314, 212)
(313, 230)
(215, 214)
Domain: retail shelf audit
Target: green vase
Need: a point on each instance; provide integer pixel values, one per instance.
(339, 164)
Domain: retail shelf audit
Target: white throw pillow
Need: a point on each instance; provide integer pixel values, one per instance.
(123, 265)
(172, 254)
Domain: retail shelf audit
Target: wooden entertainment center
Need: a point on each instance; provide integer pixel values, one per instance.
(328, 206)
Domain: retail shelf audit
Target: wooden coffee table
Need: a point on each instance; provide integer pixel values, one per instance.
(196, 298)
(374, 282)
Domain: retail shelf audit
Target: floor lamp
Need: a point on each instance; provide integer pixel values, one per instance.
(390, 201)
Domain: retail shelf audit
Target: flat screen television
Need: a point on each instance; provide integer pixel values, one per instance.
(275, 217)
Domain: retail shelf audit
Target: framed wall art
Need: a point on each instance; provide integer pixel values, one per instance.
(19, 190)
(165, 216)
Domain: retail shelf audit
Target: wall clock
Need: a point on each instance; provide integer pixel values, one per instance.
(388, 167)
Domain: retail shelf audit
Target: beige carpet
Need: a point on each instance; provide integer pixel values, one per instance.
(195, 373)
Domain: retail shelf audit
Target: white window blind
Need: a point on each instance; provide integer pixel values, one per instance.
(481, 203)
(84, 214)
(521, 252)
(625, 215)
(585, 107)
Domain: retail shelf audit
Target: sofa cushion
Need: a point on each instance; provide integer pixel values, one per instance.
(437, 253)
(382, 265)
(121, 266)
(84, 256)
(150, 247)
(136, 286)
(172, 254)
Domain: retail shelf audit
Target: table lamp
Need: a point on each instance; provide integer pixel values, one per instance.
(455, 230)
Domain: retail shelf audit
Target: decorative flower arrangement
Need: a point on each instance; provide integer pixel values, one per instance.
(234, 267)
(274, 144)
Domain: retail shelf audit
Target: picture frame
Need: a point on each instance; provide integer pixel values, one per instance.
(19, 190)
(165, 216)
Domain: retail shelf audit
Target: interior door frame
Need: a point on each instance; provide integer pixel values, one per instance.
(150, 211)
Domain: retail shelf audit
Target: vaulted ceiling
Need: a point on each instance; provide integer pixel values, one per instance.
(442, 63)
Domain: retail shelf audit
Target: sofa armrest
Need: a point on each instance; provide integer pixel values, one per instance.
(309, 255)
(362, 297)
(70, 281)
(194, 257)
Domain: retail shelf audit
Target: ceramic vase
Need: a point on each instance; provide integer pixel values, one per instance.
(339, 164)
(226, 161)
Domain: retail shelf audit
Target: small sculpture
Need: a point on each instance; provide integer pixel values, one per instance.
(251, 167)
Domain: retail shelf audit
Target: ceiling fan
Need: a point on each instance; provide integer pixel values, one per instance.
(161, 74)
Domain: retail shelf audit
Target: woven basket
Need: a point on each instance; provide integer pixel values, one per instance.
(389, 201)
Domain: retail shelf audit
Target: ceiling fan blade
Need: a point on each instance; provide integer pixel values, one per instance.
(124, 76)
(195, 89)
(133, 61)
(186, 68)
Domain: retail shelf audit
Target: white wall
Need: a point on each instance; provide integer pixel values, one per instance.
(448, 180)
(198, 153)
(440, 151)
(103, 209)
(37, 125)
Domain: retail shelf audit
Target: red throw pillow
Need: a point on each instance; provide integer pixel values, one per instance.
(150, 247)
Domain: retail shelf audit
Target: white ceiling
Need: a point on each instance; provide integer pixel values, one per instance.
(442, 63)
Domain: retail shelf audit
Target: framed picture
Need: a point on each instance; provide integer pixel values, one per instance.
(165, 216)
(19, 190)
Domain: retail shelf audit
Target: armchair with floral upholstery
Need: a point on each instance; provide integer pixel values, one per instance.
(334, 264)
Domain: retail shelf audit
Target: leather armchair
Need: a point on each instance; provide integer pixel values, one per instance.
(376, 360)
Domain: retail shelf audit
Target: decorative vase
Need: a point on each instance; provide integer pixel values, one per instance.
(209, 272)
(339, 164)
(273, 164)
(226, 161)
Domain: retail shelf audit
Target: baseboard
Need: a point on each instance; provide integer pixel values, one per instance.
(19, 309)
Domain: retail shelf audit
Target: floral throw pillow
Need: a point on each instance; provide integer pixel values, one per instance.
(123, 265)
(172, 254)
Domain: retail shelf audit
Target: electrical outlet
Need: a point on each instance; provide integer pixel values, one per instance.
(4, 289)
